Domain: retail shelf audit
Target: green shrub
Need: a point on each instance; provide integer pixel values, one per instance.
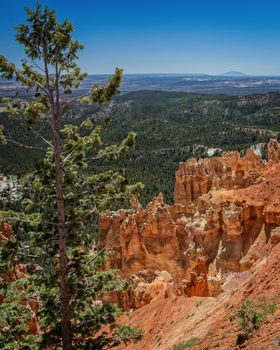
(251, 316)
(186, 344)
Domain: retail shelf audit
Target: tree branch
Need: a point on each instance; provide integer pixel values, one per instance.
(41, 137)
(39, 244)
(25, 146)
(99, 156)
(27, 221)
(68, 102)
(101, 251)
(37, 66)
(34, 82)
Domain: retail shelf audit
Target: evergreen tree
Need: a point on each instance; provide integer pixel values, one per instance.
(56, 230)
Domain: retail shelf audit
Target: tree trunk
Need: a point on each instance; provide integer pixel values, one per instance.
(63, 258)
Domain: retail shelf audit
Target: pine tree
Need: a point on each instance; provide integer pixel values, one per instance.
(56, 230)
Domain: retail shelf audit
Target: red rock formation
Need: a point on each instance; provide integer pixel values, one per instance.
(275, 236)
(274, 151)
(6, 232)
(168, 321)
(224, 211)
(197, 177)
(144, 240)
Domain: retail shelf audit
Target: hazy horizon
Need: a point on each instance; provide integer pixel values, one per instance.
(221, 74)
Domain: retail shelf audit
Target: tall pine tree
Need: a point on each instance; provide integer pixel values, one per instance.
(56, 230)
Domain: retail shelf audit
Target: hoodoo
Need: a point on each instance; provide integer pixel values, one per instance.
(224, 222)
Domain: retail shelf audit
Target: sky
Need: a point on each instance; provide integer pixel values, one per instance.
(160, 36)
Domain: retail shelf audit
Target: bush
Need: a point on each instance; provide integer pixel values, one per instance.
(251, 316)
(186, 344)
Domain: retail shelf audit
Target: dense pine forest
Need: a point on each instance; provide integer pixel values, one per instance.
(170, 126)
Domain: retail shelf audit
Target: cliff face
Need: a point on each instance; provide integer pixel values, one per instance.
(170, 319)
(226, 210)
(197, 177)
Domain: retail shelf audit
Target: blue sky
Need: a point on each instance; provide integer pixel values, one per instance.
(159, 36)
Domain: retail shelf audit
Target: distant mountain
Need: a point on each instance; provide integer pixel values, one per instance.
(233, 74)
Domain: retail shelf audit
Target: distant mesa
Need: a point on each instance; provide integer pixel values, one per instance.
(233, 74)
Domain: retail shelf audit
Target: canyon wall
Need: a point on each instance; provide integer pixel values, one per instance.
(226, 209)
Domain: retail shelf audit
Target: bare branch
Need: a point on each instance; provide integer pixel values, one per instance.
(43, 222)
(30, 255)
(17, 219)
(19, 115)
(102, 250)
(37, 66)
(34, 82)
(67, 157)
(68, 102)
(25, 146)
(41, 137)
(99, 156)
(39, 244)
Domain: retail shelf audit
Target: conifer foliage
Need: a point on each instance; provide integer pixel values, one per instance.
(56, 226)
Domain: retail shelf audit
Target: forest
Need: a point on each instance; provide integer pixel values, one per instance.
(171, 127)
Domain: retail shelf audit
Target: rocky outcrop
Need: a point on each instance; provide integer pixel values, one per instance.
(274, 151)
(231, 171)
(275, 236)
(172, 319)
(144, 240)
(6, 233)
(226, 211)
